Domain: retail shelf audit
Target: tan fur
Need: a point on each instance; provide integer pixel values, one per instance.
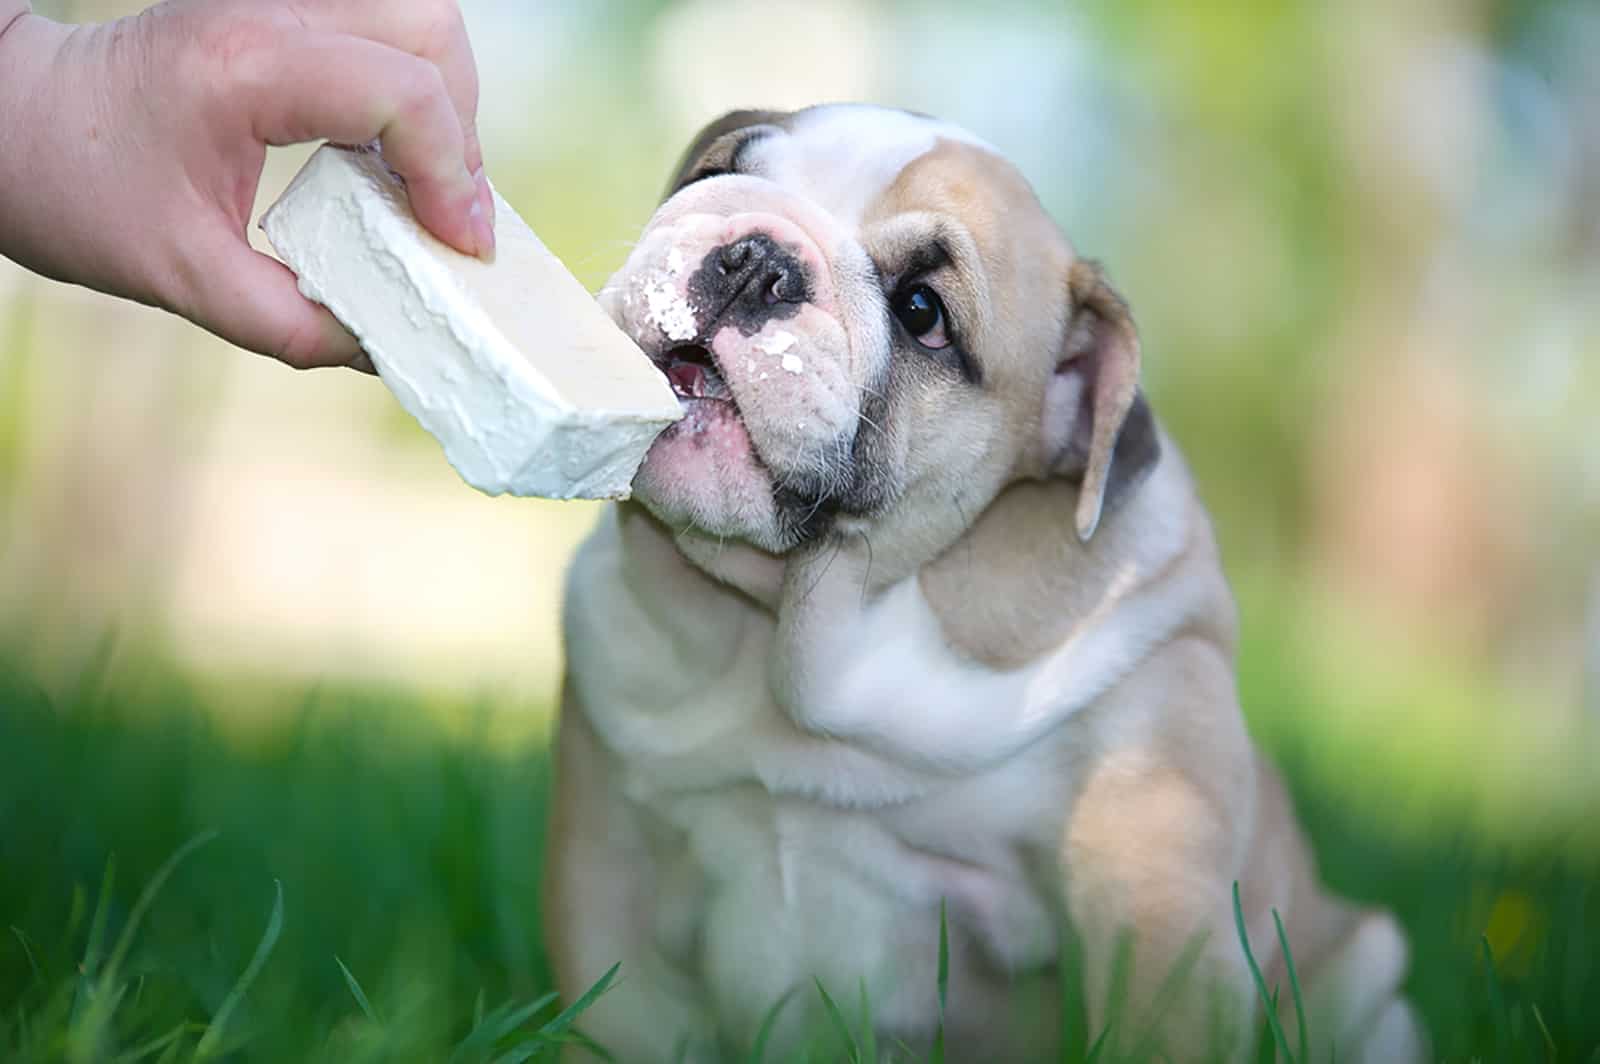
(1019, 582)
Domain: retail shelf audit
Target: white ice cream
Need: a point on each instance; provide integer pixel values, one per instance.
(528, 385)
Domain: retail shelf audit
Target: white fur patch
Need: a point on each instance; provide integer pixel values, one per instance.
(847, 156)
(884, 673)
(896, 684)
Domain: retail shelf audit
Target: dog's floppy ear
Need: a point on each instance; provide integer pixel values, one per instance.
(713, 147)
(1099, 428)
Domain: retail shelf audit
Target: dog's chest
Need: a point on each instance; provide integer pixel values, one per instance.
(755, 895)
(757, 892)
(780, 855)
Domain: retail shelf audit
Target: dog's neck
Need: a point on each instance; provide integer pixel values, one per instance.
(833, 570)
(809, 594)
(1014, 612)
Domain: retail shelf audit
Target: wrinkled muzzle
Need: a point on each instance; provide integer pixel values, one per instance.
(741, 310)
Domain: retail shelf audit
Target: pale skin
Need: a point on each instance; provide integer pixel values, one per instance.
(130, 151)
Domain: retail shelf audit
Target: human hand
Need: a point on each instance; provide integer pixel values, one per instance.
(130, 151)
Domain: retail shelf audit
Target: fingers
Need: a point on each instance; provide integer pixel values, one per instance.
(352, 90)
(431, 30)
(252, 300)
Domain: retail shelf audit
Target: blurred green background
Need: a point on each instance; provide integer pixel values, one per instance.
(1362, 242)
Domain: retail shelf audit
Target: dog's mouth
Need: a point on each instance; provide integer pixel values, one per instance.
(693, 374)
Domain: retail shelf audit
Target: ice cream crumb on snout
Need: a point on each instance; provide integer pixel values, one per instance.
(669, 311)
(776, 344)
(792, 364)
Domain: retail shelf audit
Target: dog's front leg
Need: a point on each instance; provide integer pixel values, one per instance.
(1153, 842)
(598, 911)
(1148, 907)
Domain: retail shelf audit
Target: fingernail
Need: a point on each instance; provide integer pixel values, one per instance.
(481, 215)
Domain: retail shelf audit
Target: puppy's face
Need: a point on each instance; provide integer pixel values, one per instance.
(874, 328)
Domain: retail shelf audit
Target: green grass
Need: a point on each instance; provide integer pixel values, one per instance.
(358, 881)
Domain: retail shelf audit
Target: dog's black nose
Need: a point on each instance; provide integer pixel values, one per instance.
(747, 283)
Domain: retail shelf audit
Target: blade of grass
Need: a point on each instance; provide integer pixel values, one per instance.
(758, 1051)
(578, 1038)
(156, 1045)
(531, 1048)
(1497, 1001)
(171, 1055)
(1099, 1046)
(1294, 988)
(27, 951)
(570, 1014)
(102, 994)
(75, 913)
(356, 991)
(552, 1033)
(1266, 1048)
(1261, 984)
(943, 984)
(869, 1037)
(1549, 1043)
(210, 1042)
(1121, 979)
(85, 1030)
(97, 925)
(839, 1024)
(1167, 992)
(499, 1023)
(1074, 1012)
(147, 896)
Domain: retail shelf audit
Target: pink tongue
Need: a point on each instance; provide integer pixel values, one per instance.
(687, 378)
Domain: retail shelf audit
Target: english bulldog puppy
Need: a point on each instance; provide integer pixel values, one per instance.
(915, 607)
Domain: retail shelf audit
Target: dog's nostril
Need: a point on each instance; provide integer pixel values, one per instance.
(733, 256)
(782, 287)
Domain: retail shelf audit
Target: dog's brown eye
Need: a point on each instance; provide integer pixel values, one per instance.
(920, 311)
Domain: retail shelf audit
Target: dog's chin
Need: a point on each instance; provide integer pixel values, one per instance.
(703, 474)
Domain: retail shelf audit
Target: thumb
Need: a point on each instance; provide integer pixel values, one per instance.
(253, 300)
